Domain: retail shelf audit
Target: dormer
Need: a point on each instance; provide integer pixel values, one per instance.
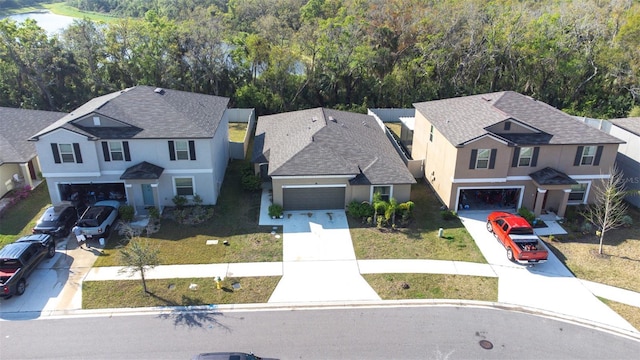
(511, 126)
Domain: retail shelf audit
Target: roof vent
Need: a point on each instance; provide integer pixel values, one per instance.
(331, 118)
(314, 119)
(486, 98)
(159, 91)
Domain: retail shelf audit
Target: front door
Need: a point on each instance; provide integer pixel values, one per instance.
(147, 195)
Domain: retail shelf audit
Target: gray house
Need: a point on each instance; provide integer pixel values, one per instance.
(324, 159)
(628, 158)
(142, 145)
(19, 165)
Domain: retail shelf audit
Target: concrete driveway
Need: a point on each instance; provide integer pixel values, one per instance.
(549, 286)
(54, 284)
(319, 263)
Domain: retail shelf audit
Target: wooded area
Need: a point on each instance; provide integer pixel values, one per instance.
(278, 55)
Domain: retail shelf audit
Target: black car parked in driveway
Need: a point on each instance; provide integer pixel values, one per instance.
(57, 220)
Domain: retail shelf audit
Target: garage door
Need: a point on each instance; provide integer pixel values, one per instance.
(313, 198)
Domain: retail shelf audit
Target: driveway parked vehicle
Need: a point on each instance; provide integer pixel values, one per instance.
(99, 218)
(517, 237)
(19, 259)
(57, 220)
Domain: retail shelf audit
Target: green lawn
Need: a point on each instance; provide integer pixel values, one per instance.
(419, 240)
(235, 220)
(433, 286)
(176, 292)
(237, 131)
(21, 218)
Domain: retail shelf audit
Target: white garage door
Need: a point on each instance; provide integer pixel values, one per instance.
(313, 198)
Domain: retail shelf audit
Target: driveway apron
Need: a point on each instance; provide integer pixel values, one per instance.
(549, 286)
(319, 263)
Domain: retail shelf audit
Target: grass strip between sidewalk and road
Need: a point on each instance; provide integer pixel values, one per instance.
(433, 286)
(176, 292)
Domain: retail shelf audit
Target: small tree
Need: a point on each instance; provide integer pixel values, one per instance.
(609, 209)
(139, 257)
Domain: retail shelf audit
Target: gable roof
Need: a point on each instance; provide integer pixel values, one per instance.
(465, 118)
(320, 141)
(151, 113)
(16, 126)
(632, 124)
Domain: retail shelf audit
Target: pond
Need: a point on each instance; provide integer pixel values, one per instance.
(50, 22)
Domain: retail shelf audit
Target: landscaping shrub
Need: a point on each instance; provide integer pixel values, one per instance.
(180, 201)
(528, 215)
(249, 180)
(627, 220)
(359, 210)
(126, 212)
(275, 210)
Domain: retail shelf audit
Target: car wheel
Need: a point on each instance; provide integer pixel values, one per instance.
(22, 286)
(510, 254)
(489, 227)
(51, 252)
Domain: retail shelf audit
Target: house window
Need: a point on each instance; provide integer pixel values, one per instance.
(66, 153)
(578, 193)
(482, 160)
(182, 150)
(115, 149)
(431, 134)
(588, 155)
(384, 191)
(184, 186)
(525, 156)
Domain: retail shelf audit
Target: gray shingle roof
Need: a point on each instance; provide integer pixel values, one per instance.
(321, 141)
(630, 124)
(16, 126)
(465, 118)
(151, 114)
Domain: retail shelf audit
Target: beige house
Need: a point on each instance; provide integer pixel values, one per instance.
(19, 165)
(324, 159)
(505, 150)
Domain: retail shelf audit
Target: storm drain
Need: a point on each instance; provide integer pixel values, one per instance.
(486, 344)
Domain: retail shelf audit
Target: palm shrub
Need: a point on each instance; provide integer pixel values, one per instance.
(126, 212)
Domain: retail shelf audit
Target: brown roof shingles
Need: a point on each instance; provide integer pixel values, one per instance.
(465, 118)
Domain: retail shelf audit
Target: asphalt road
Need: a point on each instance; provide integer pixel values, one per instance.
(415, 332)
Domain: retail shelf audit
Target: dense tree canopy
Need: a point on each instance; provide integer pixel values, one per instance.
(581, 56)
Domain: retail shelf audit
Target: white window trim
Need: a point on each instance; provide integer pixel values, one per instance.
(73, 154)
(112, 151)
(593, 157)
(586, 194)
(193, 185)
(380, 185)
(488, 159)
(175, 149)
(530, 157)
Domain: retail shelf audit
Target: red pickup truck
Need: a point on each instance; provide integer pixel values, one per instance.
(517, 236)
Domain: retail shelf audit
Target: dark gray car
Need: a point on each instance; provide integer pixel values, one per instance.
(228, 356)
(57, 220)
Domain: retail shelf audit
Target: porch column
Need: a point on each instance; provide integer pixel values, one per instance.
(563, 204)
(537, 209)
(26, 175)
(128, 189)
(156, 196)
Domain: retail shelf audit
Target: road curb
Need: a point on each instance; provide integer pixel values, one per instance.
(220, 308)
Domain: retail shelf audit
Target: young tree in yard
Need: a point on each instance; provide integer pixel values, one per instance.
(139, 256)
(609, 209)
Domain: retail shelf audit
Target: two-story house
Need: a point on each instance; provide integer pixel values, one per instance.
(507, 150)
(142, 145)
